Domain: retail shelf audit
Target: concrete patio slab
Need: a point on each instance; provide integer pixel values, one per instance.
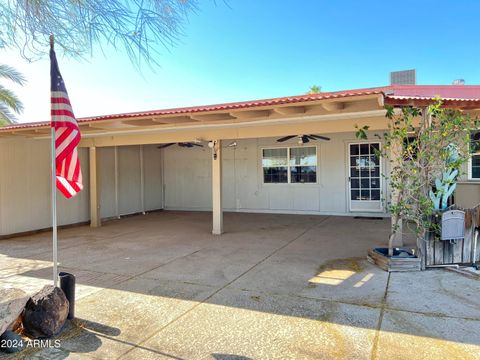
(406, 335)
(214, 267)
(123, 319)
(340, 239)
(279, 327)
(87, 282)
(120, 261)
(351, 280)
(273, 286)
(449, 294)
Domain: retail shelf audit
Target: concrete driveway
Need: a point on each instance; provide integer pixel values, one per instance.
(272, 287)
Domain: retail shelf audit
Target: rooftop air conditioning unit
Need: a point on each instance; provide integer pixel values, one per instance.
(405, 77)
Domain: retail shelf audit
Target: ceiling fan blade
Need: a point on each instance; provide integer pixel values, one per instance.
(165, 145)
(195, 144)
(286, 138)
(319, 137)
(185, 144)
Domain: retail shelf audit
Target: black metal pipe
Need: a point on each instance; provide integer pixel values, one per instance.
(67, 284)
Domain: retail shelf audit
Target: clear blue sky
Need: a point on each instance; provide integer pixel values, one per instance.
(259, 49)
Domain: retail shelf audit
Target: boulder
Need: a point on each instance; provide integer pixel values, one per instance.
(45, 313)
(17, 325)
(12, 302)
(11, 342)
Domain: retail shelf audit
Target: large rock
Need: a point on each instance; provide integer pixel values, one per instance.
(12, 302)
(45, 313)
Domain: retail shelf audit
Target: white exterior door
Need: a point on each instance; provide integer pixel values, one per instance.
(364, 177)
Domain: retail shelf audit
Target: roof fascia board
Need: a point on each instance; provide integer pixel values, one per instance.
(271, 122)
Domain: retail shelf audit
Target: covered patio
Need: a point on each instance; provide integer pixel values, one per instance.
(289, 155)
(240, 157)
(161, 285)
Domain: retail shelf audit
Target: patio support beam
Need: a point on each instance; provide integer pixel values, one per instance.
(333, 106)
(94, 193)
(290, 110)
(217, 226)
(212, 117)
(115, 154)
(112, 125)
(300, 124)
(251, 114)
(142, 179)
(174, 119)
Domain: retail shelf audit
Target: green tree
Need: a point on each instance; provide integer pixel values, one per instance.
(314, 89)
(136, 26)
(418, 148)
(9, 102)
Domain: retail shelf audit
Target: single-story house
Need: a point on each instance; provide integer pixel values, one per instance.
(290, 155)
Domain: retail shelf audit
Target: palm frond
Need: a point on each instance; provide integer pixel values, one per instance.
(314, 89)
(6, 116)
(8, 72)
(9, 99)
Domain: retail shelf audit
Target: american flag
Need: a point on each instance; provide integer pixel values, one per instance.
(67, 134)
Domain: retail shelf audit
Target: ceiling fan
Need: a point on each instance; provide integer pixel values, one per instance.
(181, 144)
(303, 139)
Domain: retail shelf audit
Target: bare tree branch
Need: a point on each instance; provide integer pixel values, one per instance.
(137, 26)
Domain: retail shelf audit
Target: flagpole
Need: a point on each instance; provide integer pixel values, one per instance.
(54, 197)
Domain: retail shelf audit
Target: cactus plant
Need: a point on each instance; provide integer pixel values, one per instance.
(446, 184)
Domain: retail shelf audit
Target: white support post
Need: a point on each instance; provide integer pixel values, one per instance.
(142, 180)
(217, 188)
(117, 208)
(94, 203)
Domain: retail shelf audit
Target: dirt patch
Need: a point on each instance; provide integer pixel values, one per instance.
(354, 264)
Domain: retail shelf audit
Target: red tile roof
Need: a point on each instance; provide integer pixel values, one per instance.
(397, 94)
(458, 92)
(462, 96)
(217, 107)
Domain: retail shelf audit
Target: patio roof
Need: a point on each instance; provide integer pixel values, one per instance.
(459, 96)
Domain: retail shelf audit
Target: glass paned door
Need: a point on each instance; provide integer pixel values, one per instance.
(365, 186)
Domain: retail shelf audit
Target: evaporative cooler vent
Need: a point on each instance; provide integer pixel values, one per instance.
(405, 77)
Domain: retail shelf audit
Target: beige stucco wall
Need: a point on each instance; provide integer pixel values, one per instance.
(127, 178)
(188, 179)
(25, 198)
(25, 187)
(467, 194)
(182, 175)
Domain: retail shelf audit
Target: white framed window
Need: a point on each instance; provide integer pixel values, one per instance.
(474, 161)
(290, 165)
